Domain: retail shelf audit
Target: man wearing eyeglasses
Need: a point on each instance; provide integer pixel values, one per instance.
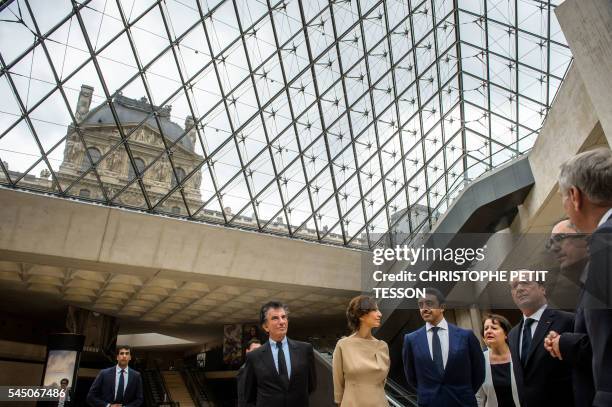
(569, 249)
(571, 252)
(584, 183)
(569, 246)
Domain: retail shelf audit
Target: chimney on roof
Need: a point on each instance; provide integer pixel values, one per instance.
(190, 129)
(84, 102)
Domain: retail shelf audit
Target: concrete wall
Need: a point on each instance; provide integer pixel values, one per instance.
(570, 127)
(46, 230)
(587, 26)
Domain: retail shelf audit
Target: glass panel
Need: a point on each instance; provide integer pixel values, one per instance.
(329, 121)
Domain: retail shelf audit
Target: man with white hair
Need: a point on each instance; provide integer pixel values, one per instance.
(585, 183)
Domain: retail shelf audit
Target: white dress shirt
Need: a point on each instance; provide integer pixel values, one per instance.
(442, 334)
(535, 316)
(605, 217)
(118, 375)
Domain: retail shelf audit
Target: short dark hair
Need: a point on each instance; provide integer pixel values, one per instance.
(436, 293)
(252, 342)
(263, 312)
(119, 347)
(358, 307)
(498, 319)
(64, 380)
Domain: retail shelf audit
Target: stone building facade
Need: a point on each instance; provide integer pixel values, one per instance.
(115, 170)
(102, 140)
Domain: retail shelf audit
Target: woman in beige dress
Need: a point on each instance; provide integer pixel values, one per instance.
(361, 362)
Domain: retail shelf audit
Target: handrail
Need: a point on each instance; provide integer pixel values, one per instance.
(393, 402)
(196, 395)
(148, 393)
(167, 394)
(400, 392)
(199, 383)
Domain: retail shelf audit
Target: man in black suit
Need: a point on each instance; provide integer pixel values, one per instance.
(541, 380)
(240, 377)
(281, 373)
(118, 385)
(584, 183)
(570, 248)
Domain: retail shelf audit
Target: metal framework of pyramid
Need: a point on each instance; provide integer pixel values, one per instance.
(334, 121)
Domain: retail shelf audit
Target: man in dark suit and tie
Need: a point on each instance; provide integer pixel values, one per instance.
(584, 184)
(570, 248)
(442, 361)
(280, 373)
(118, 385)
(541, 380)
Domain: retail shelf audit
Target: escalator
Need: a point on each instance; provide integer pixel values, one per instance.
(485, 206)
(154, 390)
(194, 379)
(397, 396)
(177, 388)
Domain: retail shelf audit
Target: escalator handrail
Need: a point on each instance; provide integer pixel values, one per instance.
(167, 395)
(194, 392)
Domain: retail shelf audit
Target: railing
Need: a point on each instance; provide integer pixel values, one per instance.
(149, 401)
(399, 395)
(167, 396)
(156, 394)
(195, 390)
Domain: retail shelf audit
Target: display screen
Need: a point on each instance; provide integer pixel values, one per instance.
(60, 365)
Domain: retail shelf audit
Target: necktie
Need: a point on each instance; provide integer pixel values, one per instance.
(119, 397)
(282, 365)
(437, 350)
(526, 343)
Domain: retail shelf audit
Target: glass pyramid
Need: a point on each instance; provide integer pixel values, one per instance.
(332, 121)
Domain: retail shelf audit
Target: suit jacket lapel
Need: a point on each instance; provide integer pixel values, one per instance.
(113, 378)
(293, 355)
(513, 339)
(423, 344)
(538, 336)
(453, 341)
(130, 381)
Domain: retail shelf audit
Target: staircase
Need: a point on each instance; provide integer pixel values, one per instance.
(177, 388)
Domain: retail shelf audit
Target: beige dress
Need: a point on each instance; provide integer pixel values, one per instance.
(360, 371)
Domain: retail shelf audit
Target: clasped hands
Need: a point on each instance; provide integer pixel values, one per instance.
(551, 344)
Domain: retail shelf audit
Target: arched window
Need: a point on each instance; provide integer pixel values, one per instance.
(181, 175)
(95, 156)
(140, 164)
(84, 193)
